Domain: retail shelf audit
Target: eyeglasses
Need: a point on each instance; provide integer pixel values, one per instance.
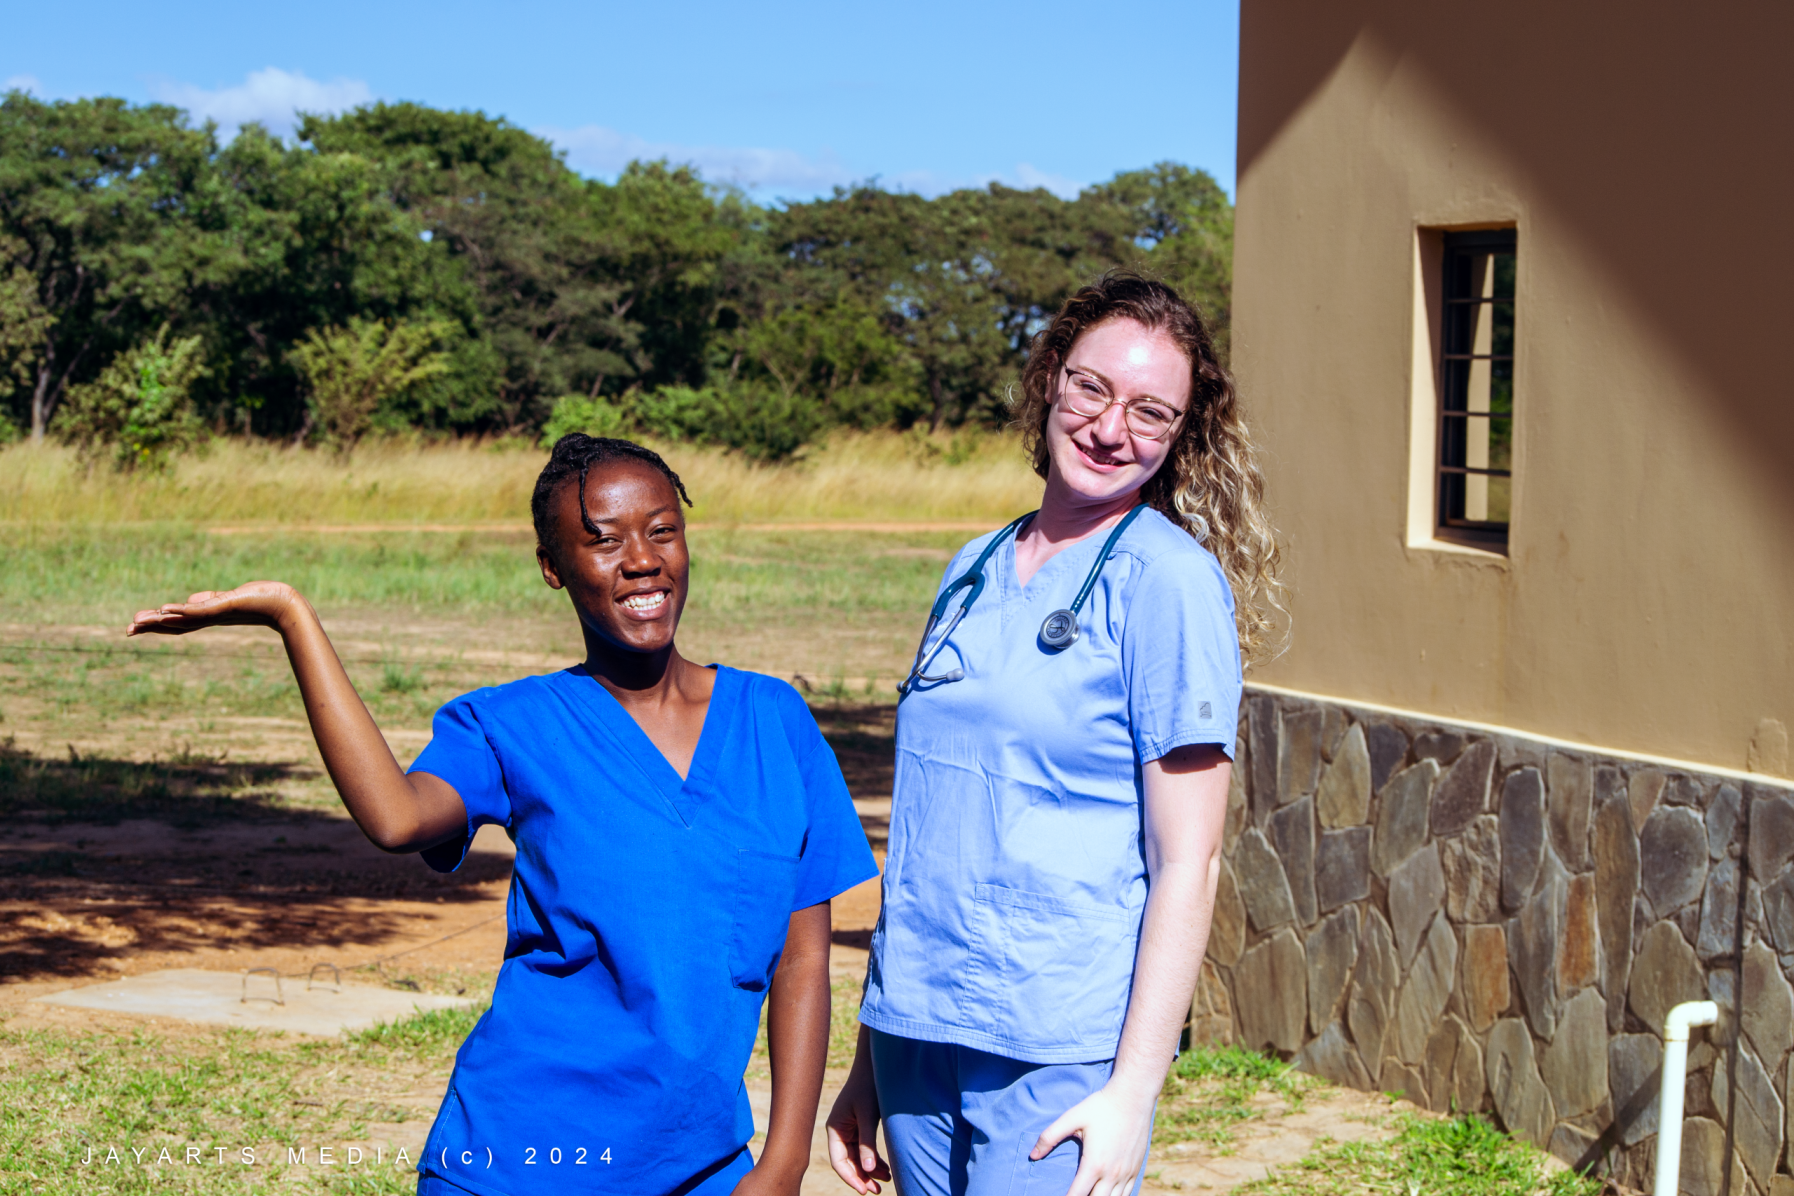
(1087, 397)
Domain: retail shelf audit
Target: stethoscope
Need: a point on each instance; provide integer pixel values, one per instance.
(1058, 630)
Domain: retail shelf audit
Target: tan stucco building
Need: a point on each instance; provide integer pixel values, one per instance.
(1512, 309)
(1643, 155)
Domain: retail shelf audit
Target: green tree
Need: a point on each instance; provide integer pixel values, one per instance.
(1184, 222)
(324, 241)
(581, 286)
(23, 321)
(101, 196)
(140, 408)
(352, 372)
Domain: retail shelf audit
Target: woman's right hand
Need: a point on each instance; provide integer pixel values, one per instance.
(853, 1125)
(257, 604)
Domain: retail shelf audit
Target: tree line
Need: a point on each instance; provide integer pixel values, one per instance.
(400, 266)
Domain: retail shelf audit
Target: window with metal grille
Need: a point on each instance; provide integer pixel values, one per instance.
(1476, 389)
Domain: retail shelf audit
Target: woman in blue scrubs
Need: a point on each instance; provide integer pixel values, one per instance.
(680, 831)
(1063, 754)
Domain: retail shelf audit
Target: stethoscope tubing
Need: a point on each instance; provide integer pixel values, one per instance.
(973, 580)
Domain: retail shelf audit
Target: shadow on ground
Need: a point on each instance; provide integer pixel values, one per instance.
(108, 860)
(187, 790)
(864, 737)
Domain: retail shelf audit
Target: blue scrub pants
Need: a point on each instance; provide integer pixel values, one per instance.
(961, 1122)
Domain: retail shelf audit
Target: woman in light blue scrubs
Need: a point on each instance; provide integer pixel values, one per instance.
(1063, 753)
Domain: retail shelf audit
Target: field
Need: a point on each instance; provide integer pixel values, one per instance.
(168, 809)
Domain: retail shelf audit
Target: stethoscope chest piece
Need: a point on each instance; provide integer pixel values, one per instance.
(1059, 630)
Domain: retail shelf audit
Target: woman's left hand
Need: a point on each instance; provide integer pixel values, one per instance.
(1115, 1129)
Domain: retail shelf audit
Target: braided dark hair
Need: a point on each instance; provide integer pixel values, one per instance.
(573, 457)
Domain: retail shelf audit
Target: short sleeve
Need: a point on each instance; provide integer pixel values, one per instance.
(1181, 657)
(836, 856)
(460, 754)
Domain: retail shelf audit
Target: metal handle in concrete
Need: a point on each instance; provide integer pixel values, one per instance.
(280, 997)
(1675, 1071)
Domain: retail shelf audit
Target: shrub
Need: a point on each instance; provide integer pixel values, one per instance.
(578, 413)
(139, 408)
(351, 372)
(764, 424)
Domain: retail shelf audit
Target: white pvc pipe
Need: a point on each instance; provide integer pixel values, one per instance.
(1675, 1072)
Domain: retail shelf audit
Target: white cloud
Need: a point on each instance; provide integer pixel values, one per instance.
(599, 151)
(596, 150)
(271, 96)
(27, 83)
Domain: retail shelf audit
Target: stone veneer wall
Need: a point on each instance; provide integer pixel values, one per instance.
(1488, 922)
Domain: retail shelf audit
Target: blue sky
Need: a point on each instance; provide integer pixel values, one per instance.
(786, 99)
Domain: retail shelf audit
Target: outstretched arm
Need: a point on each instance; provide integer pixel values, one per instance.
(797, 1024)
(397, 812)
(1186, 804)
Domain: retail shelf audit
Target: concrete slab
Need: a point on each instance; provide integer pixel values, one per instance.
(216, 998)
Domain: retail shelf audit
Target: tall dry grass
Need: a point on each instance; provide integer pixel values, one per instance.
(855, 477)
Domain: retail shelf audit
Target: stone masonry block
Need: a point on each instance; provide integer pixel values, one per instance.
(1298, 755)
(1463, 792)
(1571, 786)
(1722, 820)
(1472, 863)
(1484, 982)
(1574, 1065)
(1616, 884)
(1769, 1006)
(1521, 1098)
(1424, 994)
(1771, 835)
(1532, 940)
(1344, 796)
(1664, 974)
(1262, 720)
(1402, 816)
(1342, 867)
(1522, 835)
(1270, 989)
(1292, 834)
(1227, 930)
(1718, 935)
(1332, 951)
(1263, 886)
(1672, 857)
(1388, 748)
(1416, 893)
(1577, 965)
(1371, 1006)
(1642, 791)
(1635, 1078)
(1760, 1120)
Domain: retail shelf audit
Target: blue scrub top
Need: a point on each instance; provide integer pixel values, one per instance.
(646, 917)
(1015, 880)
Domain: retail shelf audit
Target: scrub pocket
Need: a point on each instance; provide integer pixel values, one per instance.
(765, 886)
(1050, 1176)
(1049, 975)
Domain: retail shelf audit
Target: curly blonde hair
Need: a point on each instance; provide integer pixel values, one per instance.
(1210, 484)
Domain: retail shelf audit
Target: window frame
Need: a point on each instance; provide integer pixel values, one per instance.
(1486, 534)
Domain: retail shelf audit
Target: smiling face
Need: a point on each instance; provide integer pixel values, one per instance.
(628, 582)
(1098, 460)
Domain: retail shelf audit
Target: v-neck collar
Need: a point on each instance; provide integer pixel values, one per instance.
(683, 795)
(1012, 579)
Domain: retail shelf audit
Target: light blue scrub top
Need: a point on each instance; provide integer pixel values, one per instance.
(1016, 876)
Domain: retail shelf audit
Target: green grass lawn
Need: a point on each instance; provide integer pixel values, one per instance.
(418, 618)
